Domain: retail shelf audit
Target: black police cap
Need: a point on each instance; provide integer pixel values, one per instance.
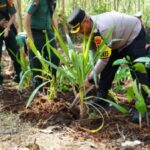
(75, 19)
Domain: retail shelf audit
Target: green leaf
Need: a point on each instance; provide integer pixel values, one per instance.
(130, 94)
(34, 93)
(22, 79)
(128, 58)
(117, 106)
(143, 60)
(139, 67)
(146, 89)
(120, 61)
(141, 106)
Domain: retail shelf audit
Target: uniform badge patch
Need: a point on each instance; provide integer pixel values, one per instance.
(106, 53)
(98, 41)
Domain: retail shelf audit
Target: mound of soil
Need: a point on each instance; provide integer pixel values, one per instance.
(44, 113)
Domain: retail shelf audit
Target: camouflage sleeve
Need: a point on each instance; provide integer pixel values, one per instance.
(11, 7)
(32, 7)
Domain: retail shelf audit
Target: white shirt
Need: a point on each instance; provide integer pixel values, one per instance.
(124, 28)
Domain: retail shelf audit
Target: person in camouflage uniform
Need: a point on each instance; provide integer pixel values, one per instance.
(8, 33)
(38, 21)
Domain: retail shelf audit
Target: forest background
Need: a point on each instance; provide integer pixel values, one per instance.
(92, 7)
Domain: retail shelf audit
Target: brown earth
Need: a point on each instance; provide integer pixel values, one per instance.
(48, 125)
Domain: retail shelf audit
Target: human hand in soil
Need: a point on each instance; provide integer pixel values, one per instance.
(87, 84)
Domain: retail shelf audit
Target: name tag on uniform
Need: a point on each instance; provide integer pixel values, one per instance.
(107, 52)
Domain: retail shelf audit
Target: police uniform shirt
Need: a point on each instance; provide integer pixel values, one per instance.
(40, 14)
(125, 28)
(6, 7)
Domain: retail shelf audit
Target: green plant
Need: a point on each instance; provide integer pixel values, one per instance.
(24, 63)
(122, 74)
(46, 73)
(77, 65)
(135, 91)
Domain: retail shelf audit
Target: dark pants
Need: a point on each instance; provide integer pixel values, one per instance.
(135, 50)
(40, 41)
(12, 47)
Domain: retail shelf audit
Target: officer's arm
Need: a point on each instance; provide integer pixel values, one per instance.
(99, 67)
(102, 62)
(27, 23)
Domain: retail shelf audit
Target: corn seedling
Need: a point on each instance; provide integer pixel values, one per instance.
(77, 65)
(46, 72)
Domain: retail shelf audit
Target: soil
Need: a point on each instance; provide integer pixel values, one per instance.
(50, 125)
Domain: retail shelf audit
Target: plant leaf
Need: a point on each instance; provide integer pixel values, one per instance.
(139, 67)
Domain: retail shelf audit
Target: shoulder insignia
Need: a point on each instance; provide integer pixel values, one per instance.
(10, 3)
(106, 53)
(98, 41)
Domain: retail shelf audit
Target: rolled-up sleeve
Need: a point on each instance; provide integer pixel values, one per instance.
(99, 67)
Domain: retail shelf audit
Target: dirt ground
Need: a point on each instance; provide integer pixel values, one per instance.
(50, 125)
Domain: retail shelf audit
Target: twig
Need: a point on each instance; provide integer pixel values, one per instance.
(147, 119)
(121, 132)
(74, 90)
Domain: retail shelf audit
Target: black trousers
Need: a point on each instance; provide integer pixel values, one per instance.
(135, 50)
(40, 41)
(12, 47)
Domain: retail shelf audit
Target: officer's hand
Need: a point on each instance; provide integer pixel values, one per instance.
(87, 84)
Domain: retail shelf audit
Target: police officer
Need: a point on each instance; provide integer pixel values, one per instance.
(7, 30)
(38, 21)
(130, 36)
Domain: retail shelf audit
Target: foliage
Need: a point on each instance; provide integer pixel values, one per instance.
(122, 74)
(135, 91)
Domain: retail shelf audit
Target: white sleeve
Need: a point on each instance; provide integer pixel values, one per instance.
(99, 67)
